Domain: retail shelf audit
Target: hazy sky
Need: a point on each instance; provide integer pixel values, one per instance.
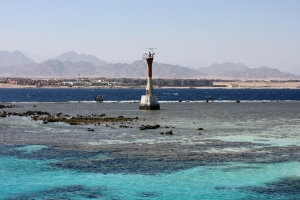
(190, 33)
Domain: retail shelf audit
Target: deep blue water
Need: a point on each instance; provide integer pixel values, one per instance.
(81, 94)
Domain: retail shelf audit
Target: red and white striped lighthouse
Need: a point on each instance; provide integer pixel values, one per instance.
(149, 101)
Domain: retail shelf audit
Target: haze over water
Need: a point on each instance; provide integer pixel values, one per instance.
(192, 34)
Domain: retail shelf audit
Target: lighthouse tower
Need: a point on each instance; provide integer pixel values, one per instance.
(149, 101)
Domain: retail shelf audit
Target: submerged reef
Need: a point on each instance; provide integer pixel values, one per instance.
(138, 144)
(64, 192)
(284, 188)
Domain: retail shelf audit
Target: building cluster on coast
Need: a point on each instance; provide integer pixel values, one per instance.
(141, 82)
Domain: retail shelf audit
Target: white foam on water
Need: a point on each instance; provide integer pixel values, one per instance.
(261, 140)
(163, 101)
(31, 148)
(227, 150)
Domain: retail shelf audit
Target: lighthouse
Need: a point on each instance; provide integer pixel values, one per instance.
(149, 101)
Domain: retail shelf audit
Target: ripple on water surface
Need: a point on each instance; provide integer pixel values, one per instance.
(134, 164)
(32, 179)
(31, 148)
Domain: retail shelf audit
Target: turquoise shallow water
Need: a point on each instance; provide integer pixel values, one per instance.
(246, 151)
(33, 179)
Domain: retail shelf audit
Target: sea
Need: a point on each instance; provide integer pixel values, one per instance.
(245, 144)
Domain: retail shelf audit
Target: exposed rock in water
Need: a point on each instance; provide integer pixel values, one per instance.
(123, 126)
(78, 120)
(144, 127)
(11, 106)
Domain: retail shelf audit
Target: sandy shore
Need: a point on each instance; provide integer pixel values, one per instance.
(54, 87)
(228, 85)
(15, 86)
(262, 84)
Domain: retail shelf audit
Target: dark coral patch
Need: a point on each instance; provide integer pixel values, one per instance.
(66, 192)
(285, 188)
(124, 165)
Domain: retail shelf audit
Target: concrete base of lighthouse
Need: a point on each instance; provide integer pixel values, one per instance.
(149, 102)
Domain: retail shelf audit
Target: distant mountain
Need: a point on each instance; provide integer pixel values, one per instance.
(139, 69)
(81, 67)
(38, 58)
(119, 70)
(216, 69)
(13, 58)
(74, 57)
(71, 64)
(291, 68)
(56, 68)
(241, 71)
(258, 73)
(174, 71)
(52, 68)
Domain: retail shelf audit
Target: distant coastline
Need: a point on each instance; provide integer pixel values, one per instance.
(238, 85)
(103, 82)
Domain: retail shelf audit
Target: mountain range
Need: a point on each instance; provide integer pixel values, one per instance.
(74, 57)
(217, 69)
(71, 64)
(240, 71)
(14, 58)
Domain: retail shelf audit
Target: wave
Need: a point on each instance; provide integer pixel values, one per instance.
(171, 101)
